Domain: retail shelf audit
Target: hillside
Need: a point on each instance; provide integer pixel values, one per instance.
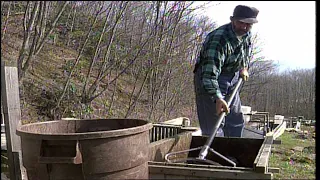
(129, 67)
(47, 76)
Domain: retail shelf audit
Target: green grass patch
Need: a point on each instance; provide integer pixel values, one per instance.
(4, 163)
(294, 163)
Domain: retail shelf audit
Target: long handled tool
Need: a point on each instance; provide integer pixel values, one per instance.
(206, 147)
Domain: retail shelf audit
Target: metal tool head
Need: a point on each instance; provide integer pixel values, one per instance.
(172, 158)
(206, 147)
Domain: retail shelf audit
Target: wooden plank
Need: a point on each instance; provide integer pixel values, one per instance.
(12, 118)
(156, 133)
(151, 135)
(177, 121)
(262, 164)
(161, 135)
(190, 128)
(2, 120)
(159, 149)
(276, 142)
(259, 153)
(171, 172)
(280, 130)
(273, 170)
(261, 161)
(3, 142)
(11, 105)
(157, 176)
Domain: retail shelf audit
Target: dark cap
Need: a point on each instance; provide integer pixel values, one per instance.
(245, 14)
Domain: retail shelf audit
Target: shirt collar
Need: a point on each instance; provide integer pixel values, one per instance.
(233, 34)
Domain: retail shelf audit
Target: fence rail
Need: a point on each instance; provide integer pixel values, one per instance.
(162, 131)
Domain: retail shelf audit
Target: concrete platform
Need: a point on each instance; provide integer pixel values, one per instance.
(252, 133)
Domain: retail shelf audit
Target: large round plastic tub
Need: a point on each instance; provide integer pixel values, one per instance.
(86, 149)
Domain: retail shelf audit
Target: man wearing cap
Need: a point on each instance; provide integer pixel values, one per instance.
(223, 58)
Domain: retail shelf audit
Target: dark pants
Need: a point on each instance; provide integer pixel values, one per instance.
(233, 123)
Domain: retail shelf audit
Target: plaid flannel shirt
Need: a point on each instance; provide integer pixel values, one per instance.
(222, 52)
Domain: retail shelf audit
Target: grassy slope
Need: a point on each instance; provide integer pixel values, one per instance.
(46, 72)
(294, 164)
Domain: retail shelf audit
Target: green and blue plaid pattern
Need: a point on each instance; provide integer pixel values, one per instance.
(222, 53)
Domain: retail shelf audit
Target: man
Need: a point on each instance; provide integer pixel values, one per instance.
(223, 58)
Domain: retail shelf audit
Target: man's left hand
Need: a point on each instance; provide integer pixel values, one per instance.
(244, 74)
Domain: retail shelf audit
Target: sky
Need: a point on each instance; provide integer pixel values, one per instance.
(286, 29)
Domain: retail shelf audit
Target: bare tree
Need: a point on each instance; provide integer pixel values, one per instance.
(27, 32)
(38, 38)
(66, 85)
(88, 94)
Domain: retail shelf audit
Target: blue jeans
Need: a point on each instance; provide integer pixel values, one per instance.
(233, 123)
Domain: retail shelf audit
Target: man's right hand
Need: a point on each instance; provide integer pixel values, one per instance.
(244, 74)
(221, 106)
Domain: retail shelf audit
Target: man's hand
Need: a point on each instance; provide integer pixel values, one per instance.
(244, 74)
(221, 106)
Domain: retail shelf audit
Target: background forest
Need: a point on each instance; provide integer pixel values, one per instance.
(128, 59)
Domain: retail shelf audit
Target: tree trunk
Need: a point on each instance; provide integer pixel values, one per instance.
(26, 38)
(4, 29)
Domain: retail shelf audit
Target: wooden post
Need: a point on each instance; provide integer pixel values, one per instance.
(12, 118)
